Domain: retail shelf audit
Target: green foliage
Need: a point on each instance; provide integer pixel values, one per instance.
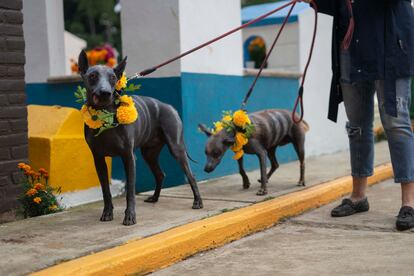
(108, 121)
(80, 94)
(93, 20)
(132, 87)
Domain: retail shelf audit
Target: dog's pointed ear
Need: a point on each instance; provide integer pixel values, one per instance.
(204, 129)
(120, 68)
(83, 62)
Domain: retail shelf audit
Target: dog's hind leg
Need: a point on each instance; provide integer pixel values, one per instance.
(246, 181)
(129, 163)
(299, 145)
(102, 171)
(151, 158)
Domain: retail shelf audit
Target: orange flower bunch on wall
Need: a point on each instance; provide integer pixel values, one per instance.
(104, 55)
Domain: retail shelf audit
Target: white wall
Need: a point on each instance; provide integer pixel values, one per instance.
(285, 55)
(150, 35)
(202, 20)
(73, 46)
(43, 33)
(324, 136)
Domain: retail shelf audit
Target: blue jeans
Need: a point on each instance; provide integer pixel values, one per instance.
(359, 106)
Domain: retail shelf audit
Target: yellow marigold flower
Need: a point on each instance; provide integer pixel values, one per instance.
(240, 118)
(121, 83)
(227, 118)
(53, 207)
(238, 155)
(39, 186)
(31, 192)
(126, 100)
(241, 139)
(37, 200)
(126, 114)
(218, 126)
(90, 117)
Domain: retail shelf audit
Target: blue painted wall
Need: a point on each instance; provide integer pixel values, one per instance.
(198, 98)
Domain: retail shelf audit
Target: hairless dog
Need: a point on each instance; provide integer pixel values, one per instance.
(158, 124)
(273, 128)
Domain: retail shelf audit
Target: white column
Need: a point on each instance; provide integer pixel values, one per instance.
(156, 30)
(150, 35)
(202, 20)
(43, 33)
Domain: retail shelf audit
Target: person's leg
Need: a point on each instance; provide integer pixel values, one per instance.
(359, 107)
(401, 144)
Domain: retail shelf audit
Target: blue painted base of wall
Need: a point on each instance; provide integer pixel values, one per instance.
(198, 98)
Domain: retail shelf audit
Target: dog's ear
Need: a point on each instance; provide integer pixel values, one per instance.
(204, 129)
(120, 68)
(229, 141)
(83, 62)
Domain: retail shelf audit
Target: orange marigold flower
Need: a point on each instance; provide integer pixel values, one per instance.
(42, 170)
(111, 62)
(46, 175)
(21, 165)
(238, 155)
(31, 192)
(37, 200)
(53, 207)
(39, 186)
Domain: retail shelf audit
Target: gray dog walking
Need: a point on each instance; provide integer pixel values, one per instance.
(158, 125)
(273, 128)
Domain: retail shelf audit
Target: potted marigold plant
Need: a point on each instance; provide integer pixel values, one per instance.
(257, 51)
(38, 196)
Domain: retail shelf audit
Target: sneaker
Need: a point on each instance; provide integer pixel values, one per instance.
(405, 219)
(348, 208)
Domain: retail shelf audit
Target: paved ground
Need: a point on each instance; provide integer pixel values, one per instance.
(317, 244)
(33, 244)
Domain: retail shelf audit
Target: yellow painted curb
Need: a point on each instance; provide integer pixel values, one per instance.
(161, 250)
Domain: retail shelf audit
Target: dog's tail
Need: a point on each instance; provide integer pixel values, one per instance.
(305, 125)
(189, 157)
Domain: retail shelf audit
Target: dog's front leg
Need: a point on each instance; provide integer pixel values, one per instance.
(129, 163)
(246, 181)
(102, 171)
(261, 154)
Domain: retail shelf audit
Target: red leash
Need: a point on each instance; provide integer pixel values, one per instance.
(299, 99)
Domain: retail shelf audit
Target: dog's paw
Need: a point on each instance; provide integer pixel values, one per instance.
(107, 216)
(246, 185)
(259, 180)
(130, 218)
(301, 184)
(198, 204)
(152, 199)
(261, 192)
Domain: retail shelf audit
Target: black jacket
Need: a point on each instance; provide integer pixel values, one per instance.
(382, 46)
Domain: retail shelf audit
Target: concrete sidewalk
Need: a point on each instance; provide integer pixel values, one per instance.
(317, 244)
(33, 244)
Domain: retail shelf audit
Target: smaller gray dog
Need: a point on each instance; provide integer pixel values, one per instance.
(158, 125)
(273, 128)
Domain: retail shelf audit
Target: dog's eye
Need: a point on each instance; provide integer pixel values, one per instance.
(112, 79)
(93, 77)
(215, 153)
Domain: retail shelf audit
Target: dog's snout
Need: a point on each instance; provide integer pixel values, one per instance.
(106, 93)
(208, 168)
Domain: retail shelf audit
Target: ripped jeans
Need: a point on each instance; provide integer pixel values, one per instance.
(359, 106)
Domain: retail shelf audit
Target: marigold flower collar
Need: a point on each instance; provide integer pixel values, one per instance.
(239, 124)
(102, 119)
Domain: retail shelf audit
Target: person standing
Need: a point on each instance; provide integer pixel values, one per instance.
(373, 51)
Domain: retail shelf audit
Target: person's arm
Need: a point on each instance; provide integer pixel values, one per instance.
(324, 6)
